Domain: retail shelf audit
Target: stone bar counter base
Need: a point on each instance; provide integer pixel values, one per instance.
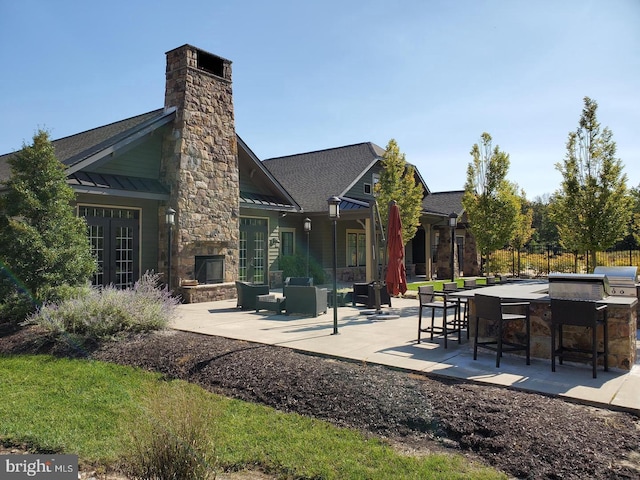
(622, 318)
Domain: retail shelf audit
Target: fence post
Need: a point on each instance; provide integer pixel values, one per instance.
(548, 259)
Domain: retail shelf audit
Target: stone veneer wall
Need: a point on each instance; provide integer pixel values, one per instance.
(200, 163)
(471, 264)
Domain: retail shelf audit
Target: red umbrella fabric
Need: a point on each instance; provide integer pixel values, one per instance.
(396, 274)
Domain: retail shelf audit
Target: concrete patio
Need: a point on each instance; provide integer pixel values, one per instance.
(392, 342)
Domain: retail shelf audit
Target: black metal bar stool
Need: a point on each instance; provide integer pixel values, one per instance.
(492, 309)
(579, 313)
(427, 298)
(463, 303)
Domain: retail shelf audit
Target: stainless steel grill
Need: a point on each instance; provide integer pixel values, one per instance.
(622, 280)
(576, 286)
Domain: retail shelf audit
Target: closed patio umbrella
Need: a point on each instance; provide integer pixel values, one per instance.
(396, 278)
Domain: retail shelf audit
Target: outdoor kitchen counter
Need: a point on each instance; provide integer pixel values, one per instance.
(622, 318)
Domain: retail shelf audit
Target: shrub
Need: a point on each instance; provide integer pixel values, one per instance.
(44, 246)
(15, 307)
(296, 266)
(171, 440)
(102, 313)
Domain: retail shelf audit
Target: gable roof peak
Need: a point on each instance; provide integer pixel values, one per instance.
(375, 149)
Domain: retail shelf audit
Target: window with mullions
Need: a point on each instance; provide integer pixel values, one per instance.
(115, 243)
(287, 242)
(356, 249)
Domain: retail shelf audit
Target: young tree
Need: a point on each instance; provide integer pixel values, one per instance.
(43, 245)
(490, 200)
(523, 225)
(397, 182)
(592, 208)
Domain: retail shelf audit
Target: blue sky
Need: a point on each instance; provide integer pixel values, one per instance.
(310, 75)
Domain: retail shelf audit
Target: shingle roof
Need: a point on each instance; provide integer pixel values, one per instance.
(73, 150)
(311, 178)
(443, 203)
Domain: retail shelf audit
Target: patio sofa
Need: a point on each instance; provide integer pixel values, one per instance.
(303, 281)
(307, 300)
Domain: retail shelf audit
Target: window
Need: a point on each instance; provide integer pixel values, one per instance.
(375, 178)
(367, 188)
(356, 248)
(286, 242)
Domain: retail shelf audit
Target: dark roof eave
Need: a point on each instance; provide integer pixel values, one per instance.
(112, 192)
(136, 133)
(269, 175)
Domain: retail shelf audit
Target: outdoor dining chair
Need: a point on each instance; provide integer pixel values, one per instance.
(436, 300)
(582, 314)
(491, 309)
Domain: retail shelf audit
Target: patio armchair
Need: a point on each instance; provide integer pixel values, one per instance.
(247, 293)
(364, 293)
(307, 300)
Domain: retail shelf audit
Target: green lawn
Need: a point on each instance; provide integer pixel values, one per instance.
(92, 408)
(438, 284)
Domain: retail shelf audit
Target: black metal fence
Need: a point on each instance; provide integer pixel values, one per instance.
(540, 260)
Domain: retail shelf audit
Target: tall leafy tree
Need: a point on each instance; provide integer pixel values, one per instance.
(523, 225)
(397, 182)
(635, 220)
(43, 246)
(490, 200)
(592, 208)
(545, 231)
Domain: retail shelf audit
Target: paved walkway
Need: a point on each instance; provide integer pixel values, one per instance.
(392, 342)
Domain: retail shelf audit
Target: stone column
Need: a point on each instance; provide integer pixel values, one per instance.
(200, 161)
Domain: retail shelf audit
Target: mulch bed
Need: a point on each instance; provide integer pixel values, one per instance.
(526, 435)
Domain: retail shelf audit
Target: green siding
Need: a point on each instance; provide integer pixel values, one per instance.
(357, 191)
(141, 161)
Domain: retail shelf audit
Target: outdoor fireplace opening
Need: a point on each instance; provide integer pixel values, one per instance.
(209, 269)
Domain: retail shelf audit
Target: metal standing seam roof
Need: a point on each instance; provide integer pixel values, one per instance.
(96, 181)
(261, 200)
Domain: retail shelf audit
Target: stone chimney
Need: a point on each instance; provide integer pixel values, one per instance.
(200, 163)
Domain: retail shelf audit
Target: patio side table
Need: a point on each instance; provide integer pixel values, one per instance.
(270, 303)
(341, 297)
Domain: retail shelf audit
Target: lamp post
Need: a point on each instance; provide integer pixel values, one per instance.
(334, 214)
(453, 222)
(307, 229)
(170, 220)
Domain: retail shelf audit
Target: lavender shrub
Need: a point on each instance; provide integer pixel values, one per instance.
(106, 312)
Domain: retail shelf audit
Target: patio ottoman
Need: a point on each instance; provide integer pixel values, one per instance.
(270, 303)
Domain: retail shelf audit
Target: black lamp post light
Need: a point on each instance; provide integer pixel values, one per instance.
(334, 214)
(170, 220)
(453, 222)
(307, 229)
